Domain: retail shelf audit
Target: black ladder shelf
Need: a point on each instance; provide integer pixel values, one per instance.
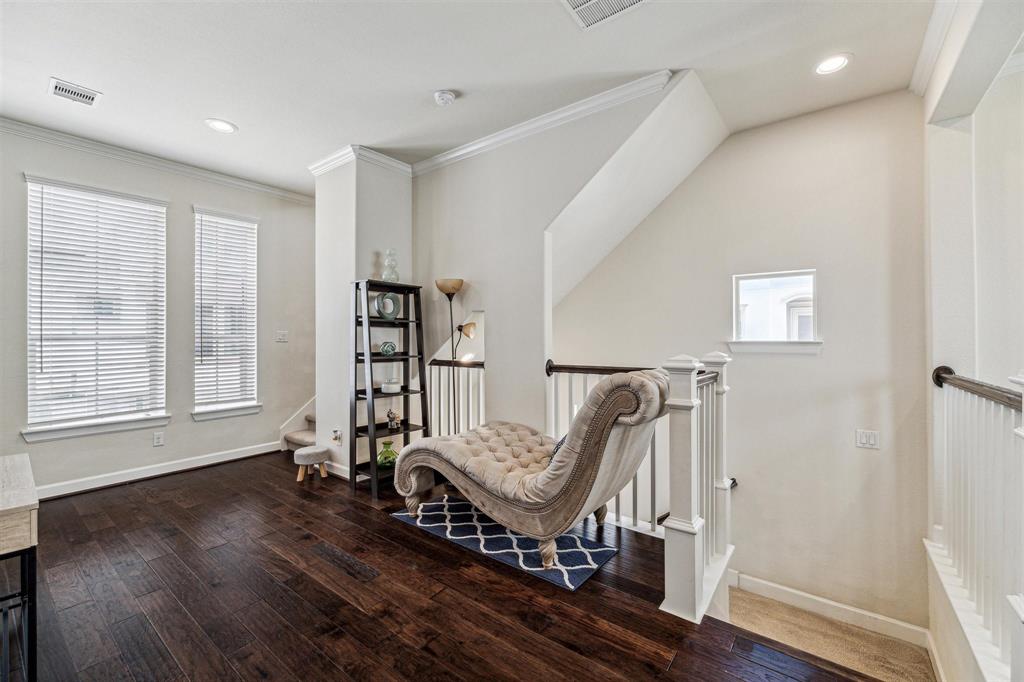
(362, 324)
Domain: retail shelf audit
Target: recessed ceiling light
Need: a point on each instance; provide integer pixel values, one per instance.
(836, 62)
(221, 126)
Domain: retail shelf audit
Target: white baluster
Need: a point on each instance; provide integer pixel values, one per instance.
(481, 412)
(463, 398)
(557, 421)
(636, 501)
(653, 457)
(471, 389)
(572, 405)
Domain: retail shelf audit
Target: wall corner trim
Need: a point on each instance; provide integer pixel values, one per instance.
(352, 152)
(646, 85)
(82, 144)
(934, 36)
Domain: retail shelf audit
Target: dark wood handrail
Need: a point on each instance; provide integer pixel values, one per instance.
(457, 363)
(551, 368)
(703, 376)
(943, 375)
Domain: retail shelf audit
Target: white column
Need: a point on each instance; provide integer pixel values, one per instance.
(716, 362)
(684, 527)
(363, 206)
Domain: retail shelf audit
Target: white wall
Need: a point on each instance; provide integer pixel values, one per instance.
(285, 294)
(840, 191)
(999, 228)
(483, 219)
(678, 134)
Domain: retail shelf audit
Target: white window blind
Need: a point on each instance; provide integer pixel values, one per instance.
(96, 347)
(225, 311)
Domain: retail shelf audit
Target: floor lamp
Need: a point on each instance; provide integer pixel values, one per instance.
(450, 287)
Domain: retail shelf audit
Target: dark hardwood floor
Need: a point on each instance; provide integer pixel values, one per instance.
(235, 571)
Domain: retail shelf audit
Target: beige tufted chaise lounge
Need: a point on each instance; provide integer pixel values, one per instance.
(508, 470)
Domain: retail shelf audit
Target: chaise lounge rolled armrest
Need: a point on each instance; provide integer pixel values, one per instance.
(512, 473)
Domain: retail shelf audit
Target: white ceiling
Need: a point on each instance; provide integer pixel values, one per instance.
(304, 79)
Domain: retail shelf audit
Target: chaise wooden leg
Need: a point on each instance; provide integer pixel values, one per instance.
(302, 474)
(412, 503)
(547, 553)
(323, 470)
(600, 513)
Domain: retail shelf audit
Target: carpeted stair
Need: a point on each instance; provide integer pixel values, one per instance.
(307, 436)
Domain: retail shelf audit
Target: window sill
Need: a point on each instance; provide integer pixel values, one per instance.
(779, 347)
(205, 414)
(89, 427)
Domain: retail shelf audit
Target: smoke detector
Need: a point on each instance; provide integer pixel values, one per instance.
(444, 97)
(590, 13)
(75, 93)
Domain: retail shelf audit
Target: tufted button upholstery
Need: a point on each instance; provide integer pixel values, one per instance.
(500, 456)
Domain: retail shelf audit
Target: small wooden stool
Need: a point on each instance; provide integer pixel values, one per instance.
(308, 458)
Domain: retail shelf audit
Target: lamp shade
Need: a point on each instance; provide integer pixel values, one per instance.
(468, 330)
(448, 287)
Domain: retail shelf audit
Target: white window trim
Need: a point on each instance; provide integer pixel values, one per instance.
(781, 347)
(88, 427)
(201, 414)
(809, 347)
(74, 428)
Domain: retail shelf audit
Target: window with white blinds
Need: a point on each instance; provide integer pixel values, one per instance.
(225, 312)
(96, 347)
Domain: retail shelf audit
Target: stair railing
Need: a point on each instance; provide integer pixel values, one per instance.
(979, 553)
(681, 491)
(457, 396)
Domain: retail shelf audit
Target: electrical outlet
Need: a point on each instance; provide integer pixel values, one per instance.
(336, 435)
(867, 439)
(281, 336)
(158, 439)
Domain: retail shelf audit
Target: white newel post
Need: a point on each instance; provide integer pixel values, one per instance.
(684, 527)
(716, 362)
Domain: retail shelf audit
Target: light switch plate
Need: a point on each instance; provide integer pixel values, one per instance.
(867, 439)
(281, 336)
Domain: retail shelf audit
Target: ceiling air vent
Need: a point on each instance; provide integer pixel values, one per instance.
(75, 93)
(590, 13)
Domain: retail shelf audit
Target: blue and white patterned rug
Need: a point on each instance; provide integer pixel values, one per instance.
(576, 558)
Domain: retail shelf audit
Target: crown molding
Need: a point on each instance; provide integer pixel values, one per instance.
(355, 151)
(33, 132)
(934, 36)
(1015, 64)
(584, 107)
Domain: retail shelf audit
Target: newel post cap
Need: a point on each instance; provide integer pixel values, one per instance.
(716, 358)
(683, 364)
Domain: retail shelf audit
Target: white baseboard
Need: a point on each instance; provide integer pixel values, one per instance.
(125, 475)
(339, 470)
(844, 613)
